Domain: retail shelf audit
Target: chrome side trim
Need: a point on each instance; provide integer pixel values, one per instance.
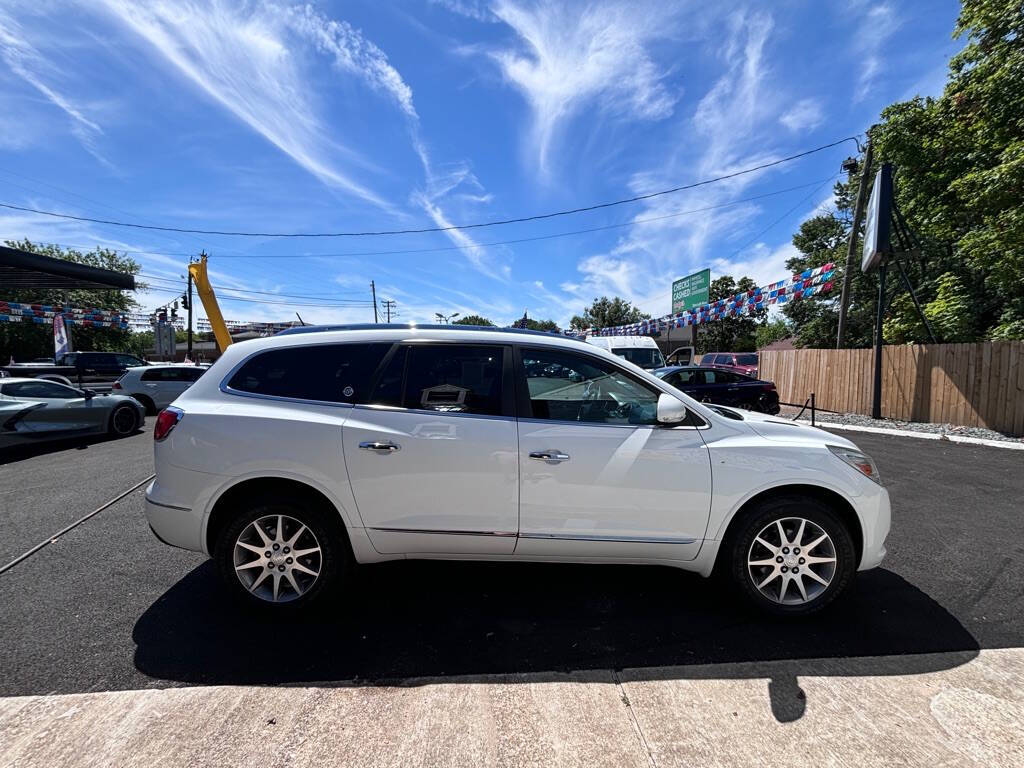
(531, 420)
(446, 533)
(614, 539)
(424, 412)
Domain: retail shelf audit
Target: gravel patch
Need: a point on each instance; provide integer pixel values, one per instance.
(858, 420)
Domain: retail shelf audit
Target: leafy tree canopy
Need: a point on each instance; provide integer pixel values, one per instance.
(607, 313)
(730, 334)
(24, 341)
(541, 325)
(959, 172)
(473, 320)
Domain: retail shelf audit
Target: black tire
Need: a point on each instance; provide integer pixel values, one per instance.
(124, 420)
(334, 559)
(740, 548)
(147, 403)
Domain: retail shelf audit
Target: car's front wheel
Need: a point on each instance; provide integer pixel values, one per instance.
(124, 420)
(280, 554)
(792, 556)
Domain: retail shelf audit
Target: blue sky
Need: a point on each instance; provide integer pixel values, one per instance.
(261, 115)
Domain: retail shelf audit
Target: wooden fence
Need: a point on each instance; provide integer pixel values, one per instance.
(977, 385)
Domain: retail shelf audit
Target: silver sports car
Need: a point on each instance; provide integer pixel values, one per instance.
(34, 410)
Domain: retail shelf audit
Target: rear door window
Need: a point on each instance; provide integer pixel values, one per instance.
(455, 378)
(332, 373)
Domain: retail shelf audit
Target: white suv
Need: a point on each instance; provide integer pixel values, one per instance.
(299, 455)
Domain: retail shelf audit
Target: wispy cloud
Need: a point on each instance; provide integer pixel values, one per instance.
(478, 10)
(805, 115)
(876, 24)
(723, 135)
(26, 62)
(241, 56)
(570, 57)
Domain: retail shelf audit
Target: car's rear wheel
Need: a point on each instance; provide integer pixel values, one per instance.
(792, 556)
(147, 403)
(123, 421)
(280, 555)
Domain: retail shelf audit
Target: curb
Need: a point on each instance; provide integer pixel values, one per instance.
(1013, 446)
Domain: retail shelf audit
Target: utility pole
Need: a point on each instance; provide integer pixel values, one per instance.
(851, 248)
(373, 291)
(188, 347)
(388, 304)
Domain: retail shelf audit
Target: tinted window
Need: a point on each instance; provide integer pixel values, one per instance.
(682, 379)
(569, 387)
(720, 377)
(645, 357)
(334, 373)
(184, 373)
(128, 361)
(40, 389)
(98, 360)
(455, 378)
(746, 359)
(388, 390)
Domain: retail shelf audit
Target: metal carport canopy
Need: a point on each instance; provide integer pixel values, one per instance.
(21, 269)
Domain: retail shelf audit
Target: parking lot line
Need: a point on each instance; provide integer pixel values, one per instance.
(75, 524)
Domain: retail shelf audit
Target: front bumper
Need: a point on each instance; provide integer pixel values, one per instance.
(876, 519)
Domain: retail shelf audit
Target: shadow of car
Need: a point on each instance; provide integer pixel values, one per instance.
(414, 622)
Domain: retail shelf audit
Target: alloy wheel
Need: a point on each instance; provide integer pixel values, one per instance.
(124, 420)
(792, 561)
(277, 558)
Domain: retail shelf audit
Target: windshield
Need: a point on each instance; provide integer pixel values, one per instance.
(746, 359)
(645, 357)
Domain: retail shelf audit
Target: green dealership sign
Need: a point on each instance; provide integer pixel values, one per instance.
(691, 291)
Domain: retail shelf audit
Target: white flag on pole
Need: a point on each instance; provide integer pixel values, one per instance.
(61, 339)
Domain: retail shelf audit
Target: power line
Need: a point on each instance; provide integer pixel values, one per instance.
(781, 218)
(424, 230)
(264, 293)
(552, 236)
(288, 303)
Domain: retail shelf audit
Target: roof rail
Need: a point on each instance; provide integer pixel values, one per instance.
(416, 326)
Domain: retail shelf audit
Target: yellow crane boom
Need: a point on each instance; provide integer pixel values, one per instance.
(206, 295)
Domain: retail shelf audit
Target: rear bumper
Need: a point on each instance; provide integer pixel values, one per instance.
(174, 525)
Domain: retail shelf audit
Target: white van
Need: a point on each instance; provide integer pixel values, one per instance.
(639, 350)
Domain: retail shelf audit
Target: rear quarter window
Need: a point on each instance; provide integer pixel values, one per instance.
(332, 373)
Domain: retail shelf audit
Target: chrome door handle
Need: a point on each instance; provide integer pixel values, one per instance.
(550, 456)
(373, 445)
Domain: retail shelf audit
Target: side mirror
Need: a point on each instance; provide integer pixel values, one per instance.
(89, 394)
(670, 410)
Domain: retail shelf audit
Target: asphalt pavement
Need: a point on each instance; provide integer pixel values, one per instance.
(108, 607)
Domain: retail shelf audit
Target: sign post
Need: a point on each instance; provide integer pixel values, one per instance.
(876, 250)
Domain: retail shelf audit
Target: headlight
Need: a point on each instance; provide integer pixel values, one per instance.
(859, 461)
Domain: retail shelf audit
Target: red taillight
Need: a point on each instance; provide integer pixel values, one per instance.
(166, 420)
(769, 387)
(116, 385)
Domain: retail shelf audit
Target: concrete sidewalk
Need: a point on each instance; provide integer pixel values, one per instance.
(970, 712)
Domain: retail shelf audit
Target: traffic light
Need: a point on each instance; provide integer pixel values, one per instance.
(184, 300)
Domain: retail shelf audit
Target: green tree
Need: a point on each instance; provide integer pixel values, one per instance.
(770, 332)
(959, 162)
(473, 320)
(24, 341)
(730, 334)
(541, 325)
(607, 313)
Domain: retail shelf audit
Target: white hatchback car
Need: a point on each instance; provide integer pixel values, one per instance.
(298, 455)
(157, 386)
